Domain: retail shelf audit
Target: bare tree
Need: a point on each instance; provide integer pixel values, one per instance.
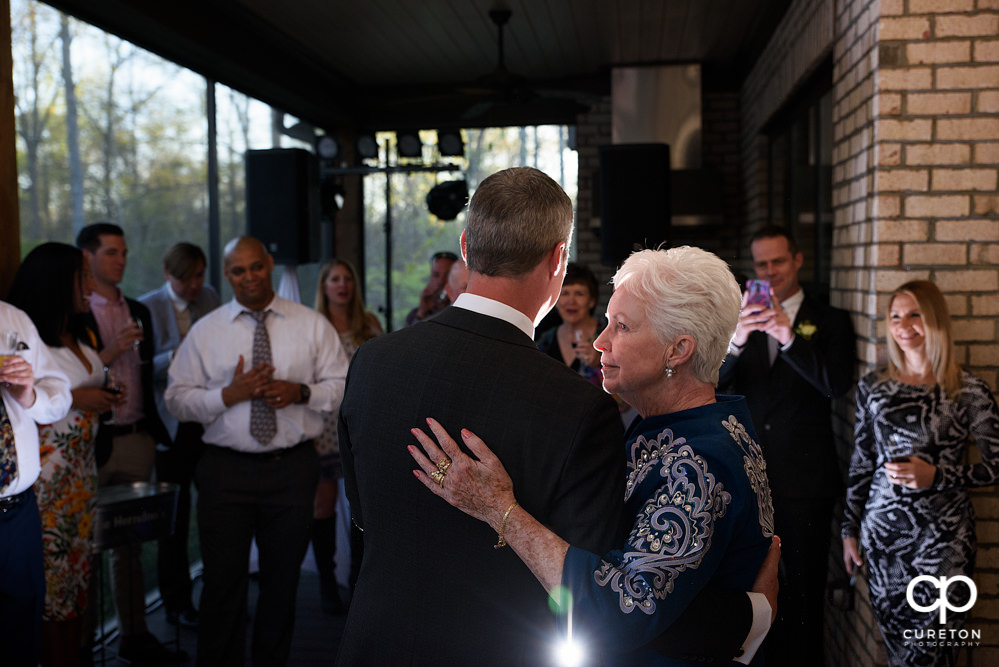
(72, 127)
(34, 109)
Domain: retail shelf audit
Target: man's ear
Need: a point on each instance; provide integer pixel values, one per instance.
(556, 259)
(799, 260)
(464, 247)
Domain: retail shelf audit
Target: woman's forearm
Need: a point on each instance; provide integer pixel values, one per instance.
(540, 549)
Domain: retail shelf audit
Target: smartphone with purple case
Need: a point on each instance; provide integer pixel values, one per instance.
(759, 292)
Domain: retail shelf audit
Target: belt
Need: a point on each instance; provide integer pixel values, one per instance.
(11, 503)
(118, 430)
(270, 455)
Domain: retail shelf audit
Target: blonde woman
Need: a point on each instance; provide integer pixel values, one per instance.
(907, 503)
(338, 297)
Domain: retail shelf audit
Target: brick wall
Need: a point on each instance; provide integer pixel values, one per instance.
(916, 151)
(935, 173)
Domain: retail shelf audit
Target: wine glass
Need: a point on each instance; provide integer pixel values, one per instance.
(137, 341)
(112, 386)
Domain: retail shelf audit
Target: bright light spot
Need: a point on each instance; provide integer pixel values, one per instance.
(569, 653)
(560, 600)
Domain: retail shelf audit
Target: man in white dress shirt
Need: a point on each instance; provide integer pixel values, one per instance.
(258, 372)
(34, 391)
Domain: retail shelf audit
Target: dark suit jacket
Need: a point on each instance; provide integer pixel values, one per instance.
(790, 402)
(431, 589)
(154, 425)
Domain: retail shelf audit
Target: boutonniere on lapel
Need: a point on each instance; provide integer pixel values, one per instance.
(806, 329)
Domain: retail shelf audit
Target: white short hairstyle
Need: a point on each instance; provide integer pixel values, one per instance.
(689, 291)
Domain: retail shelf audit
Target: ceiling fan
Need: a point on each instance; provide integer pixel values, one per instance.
(503, 88)
(499, 97)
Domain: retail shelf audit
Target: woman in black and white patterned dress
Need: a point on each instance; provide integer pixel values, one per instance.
(908, 498)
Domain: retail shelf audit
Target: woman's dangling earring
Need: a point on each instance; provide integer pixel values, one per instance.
(669, 372)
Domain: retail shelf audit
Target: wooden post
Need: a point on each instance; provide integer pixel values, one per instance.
(10, 225)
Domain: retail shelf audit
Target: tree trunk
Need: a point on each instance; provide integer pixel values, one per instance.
(72, 128)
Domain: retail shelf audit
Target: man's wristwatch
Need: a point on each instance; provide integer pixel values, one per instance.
(304, 393)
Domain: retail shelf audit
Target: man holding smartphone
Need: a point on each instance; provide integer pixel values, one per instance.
(790, 356)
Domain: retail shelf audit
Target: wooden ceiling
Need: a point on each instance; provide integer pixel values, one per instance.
(409, 64)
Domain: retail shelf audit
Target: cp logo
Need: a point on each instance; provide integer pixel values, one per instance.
(943, 584)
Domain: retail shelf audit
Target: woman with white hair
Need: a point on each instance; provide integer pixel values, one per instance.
(697, 492)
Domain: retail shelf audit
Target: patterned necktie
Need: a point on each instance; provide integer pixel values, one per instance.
(8, 455)
(263, 421)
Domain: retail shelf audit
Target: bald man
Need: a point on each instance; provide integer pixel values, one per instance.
(258, 372)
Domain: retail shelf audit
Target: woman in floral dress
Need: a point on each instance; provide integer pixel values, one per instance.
(907, 503)
(53, 285)
(338, 297)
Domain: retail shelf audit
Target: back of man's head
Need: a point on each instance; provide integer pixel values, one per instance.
(515, 217)
(89, 238)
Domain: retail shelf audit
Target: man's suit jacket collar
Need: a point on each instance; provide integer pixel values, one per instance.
(482, 325)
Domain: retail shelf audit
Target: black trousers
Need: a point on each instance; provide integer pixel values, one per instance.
(22, 583)
(173, 567)
(241, 497)
(805, 529)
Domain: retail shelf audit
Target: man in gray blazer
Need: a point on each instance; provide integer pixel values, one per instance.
(175, 307)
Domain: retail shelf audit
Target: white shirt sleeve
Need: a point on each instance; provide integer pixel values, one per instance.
(758, 632)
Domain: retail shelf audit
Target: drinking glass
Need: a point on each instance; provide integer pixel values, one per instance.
(138, 341)
(8, 345)
(111, 386)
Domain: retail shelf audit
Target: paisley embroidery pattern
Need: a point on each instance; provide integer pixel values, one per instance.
(755, 467)
(674, 528)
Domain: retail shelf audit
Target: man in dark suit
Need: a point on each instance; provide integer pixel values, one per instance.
(790, 360)
(125, 449)
(432, 589)
(175, 307)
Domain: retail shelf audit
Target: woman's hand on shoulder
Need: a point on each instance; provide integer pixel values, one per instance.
(480, 488)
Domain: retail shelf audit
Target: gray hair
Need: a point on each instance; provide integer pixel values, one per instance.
(689, 291)
(515, 217)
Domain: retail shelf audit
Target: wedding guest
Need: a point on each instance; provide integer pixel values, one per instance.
(175, 307)
(907, 502)
(433, 299)
(53, 286)
(696, 489)
(258, 372)
(126, 449)
(33, 391)
(790, 357)
(571, 342)
(338, 298)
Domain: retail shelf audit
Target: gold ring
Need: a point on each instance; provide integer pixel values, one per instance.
(444, 464)
(438, 476)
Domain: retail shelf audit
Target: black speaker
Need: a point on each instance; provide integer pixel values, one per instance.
(282, 203)
(634, 199)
